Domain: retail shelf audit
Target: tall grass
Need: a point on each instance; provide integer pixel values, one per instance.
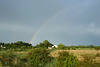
(51, 64)
(10, 58)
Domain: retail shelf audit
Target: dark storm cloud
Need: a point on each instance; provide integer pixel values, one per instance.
(77, 21)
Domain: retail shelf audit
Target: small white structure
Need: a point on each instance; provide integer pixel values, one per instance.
(2, 46)
(54, 46)
(49, 47)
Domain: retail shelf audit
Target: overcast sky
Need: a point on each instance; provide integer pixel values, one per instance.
(70, 22)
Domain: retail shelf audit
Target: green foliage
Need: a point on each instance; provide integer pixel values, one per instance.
(90, 46)
(65, 59)
(7, 58)
(0, 64)
(73, 48)
(18, 44)
(88, 58)
(97, 55)
(12, 57)
(61, 46)
(45, 44)
(39, 57)
(88, 61)
(97, 48)
(51, 64)
(68, 48)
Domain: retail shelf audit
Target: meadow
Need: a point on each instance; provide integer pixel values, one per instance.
(81, 55)
(22, 54)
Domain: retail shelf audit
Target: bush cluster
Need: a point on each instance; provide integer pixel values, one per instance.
(65, 59)
(42, 58)
(7, 58)
(88, 61)
(39, 57)
(97, 48)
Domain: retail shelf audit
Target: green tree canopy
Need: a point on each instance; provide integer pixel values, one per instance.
(65, 59)
(39, 57)
(61, 46)
(45, 44)
(15, 45)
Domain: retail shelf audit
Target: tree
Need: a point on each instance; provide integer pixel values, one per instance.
(45, 44)
(7, 45)
(65, 59)
(90, 46)
(7, 58)
(97, 48)
(38, 57)
(20, 44)
(61, 46)
(1, 44)
(23, 43)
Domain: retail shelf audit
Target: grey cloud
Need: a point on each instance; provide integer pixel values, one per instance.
(77, 21)
(16, 27)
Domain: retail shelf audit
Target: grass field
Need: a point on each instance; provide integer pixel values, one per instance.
(54, 53)
(79, 53)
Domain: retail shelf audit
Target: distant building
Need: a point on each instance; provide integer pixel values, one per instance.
(54, 46)
(2, 46)
(49, 47)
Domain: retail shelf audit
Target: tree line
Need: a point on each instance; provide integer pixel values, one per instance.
(18, 44)
(45, 44)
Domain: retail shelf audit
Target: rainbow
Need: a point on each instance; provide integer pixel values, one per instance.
(44, 24)
(47, 21)
(37, 32)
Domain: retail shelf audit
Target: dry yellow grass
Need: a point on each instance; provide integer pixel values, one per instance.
(78, 53)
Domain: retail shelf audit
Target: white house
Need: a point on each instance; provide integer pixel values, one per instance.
(2, 46)
(54, 46)
(49, 47)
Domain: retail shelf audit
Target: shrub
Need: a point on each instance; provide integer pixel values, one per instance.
(97, 55)
(39, 57)
(73, 48)
(61, 46)
(97, 48)
(88, 61)
(65, 59)
(8, 58)
(68, 48)
(88, 58)
(51, 64)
